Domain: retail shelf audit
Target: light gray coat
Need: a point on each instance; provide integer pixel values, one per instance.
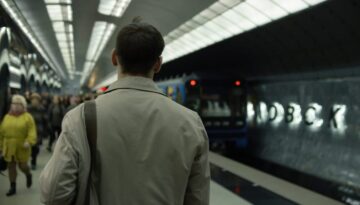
(150, 151)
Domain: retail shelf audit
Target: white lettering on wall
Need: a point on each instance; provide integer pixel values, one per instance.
(293, 115)
(250, 112)
(312, 118)
(276, 114)
(337, 118)
(296, 117)
(262, 114)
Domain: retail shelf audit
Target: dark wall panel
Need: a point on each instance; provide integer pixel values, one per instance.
(330, 150)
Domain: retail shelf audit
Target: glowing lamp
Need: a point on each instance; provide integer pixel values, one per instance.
(193, 83)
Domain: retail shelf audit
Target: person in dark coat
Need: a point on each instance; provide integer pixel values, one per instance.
(55, 113)
(74, 101)
(39, 114)
(45, 102)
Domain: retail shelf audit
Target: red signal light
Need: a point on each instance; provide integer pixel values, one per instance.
(103, 89)
(237, 189)
(237, 83)
(193, 83)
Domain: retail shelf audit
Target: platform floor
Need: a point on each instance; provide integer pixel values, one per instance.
(219, 195)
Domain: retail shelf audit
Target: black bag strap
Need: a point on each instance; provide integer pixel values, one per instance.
(91, 133)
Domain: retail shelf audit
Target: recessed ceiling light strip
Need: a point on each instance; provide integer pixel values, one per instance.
(101, 33)
(225, 19)
(113, 7)
(61, 15)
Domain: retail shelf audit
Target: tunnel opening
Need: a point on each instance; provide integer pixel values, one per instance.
(32, 84)
(45, 87)
(23, 84)
(4, 90)
(38, 87)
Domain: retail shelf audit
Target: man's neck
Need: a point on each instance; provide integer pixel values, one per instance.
(124, 75)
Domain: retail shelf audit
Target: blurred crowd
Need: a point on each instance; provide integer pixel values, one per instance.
(30, 119)
(48, 112)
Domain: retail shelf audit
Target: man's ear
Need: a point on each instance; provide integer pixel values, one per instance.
(157, 66)
(114, 57)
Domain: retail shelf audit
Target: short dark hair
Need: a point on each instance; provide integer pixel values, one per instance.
(138, 46)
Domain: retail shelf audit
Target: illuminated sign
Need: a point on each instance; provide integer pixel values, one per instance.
(293, 115)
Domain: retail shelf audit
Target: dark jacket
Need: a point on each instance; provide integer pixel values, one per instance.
(39, 115)
(56, 114)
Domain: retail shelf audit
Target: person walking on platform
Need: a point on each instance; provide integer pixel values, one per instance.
(17, 134)
(74, 101)
(38, 113)
(45, 102)
(137, 145)
(56, 114)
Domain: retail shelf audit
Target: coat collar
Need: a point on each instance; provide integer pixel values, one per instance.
(135, 83)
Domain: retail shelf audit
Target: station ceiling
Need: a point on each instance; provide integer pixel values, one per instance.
(166, 15)
(302, 35)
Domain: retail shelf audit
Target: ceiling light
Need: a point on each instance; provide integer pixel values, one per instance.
(60, 12)
(61, 37)
(218, 7)
(217, 30)
(113, 7)
(314, 2)
(252, 14)
(200, 19)
(59, 25)
(208, 14)
(230, 3)
(269, 8)
(293, 5)
(101, 33)
(224, 23)
(224, 19)
(70, 28)
(58, 1)
(54, 9)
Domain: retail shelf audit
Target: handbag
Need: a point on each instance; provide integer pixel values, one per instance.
(3, 164)
(91, 134)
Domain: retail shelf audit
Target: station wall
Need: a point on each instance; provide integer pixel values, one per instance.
(309, 125)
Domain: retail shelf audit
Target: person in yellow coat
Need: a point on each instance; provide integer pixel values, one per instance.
(17, 134)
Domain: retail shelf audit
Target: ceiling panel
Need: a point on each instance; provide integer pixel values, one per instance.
(166, 15)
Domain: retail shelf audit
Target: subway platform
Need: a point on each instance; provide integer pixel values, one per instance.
(219, 194)
(232, 184)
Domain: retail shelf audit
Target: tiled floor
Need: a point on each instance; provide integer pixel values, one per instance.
(24, 196)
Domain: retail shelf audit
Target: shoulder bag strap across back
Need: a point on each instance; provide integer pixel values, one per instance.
(91, 133)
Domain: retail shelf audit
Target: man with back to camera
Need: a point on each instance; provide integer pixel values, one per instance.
(150, 150)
